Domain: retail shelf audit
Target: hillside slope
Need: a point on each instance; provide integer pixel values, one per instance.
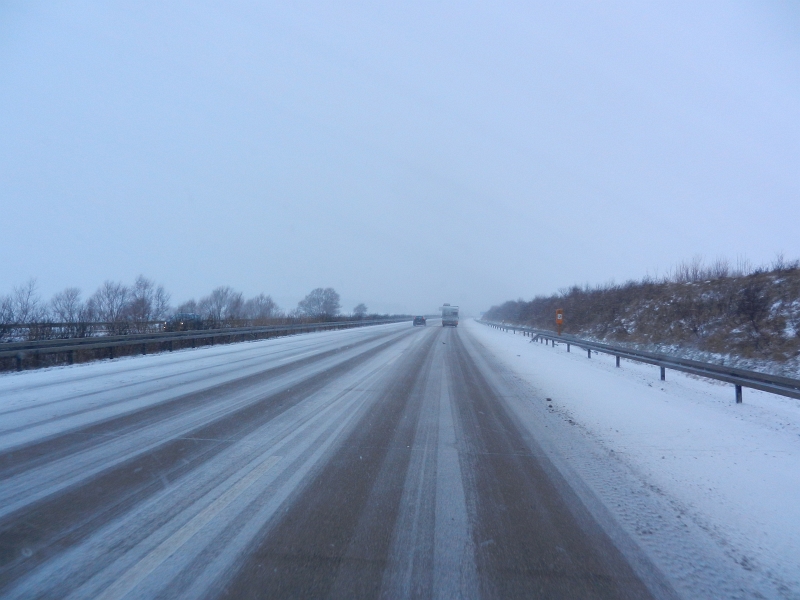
(751, 319)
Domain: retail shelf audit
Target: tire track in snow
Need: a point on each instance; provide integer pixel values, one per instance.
(60, 520)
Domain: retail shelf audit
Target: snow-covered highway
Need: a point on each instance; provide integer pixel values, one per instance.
(384, 461)
(392, 461)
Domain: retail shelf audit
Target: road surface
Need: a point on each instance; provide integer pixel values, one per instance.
(381, 462)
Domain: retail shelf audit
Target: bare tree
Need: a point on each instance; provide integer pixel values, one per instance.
(780, 264)
(26, 305)
(222, 304)
(190, 306)
(330, 303)
(360, 311)
(6, 310)
(261, 308)
(743, 266)
(689, 271)
(67, 306)
(147, 302)
(6, 316)
(720, 268)
(109, 304)
(161, 300)
(320, 303)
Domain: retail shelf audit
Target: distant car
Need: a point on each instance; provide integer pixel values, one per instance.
(184, 322)
(420, 321)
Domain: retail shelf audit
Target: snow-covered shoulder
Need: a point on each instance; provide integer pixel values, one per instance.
(709, 489)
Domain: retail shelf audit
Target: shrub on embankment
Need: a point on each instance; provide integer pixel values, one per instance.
(751, 315)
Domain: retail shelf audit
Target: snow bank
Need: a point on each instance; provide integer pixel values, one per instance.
(731, 470)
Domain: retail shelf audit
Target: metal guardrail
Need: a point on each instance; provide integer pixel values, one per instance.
(15, 332)
(22, 350)
(740, 378)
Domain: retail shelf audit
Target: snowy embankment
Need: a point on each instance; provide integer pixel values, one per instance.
(718, 498)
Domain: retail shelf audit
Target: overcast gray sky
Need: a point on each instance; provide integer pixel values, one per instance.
(406, 154)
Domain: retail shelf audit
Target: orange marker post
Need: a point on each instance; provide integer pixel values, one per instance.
(559, 319)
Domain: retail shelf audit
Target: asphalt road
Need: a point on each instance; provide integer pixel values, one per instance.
(381, 462)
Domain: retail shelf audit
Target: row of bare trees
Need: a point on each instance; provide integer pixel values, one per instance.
(121, 307)
(139, 307)
(225, 304)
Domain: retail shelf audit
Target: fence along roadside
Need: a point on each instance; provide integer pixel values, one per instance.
(20, 351)
(740, 378)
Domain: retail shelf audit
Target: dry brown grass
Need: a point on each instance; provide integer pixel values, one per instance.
(751, 316)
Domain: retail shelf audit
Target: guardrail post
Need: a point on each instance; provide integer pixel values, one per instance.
(111, 352)
(170, 345)
(19, 360)
(144, 349)
(71, 357)
(738, 394)
(567, 347)
(617, 360)
(589, 352)
(663, 373)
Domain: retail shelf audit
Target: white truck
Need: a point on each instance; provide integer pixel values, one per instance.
(449, 316)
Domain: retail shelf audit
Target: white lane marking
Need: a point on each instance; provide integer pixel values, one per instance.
(163, 551)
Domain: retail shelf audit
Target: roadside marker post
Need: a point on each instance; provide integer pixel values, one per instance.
(559, 319)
